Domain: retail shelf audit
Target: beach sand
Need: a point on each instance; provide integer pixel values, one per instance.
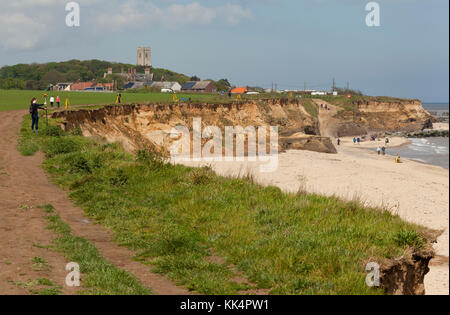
(419, 193)
(440, 126)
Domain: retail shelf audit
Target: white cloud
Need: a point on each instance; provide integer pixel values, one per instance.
(26, 23)
(134, 14)
(19, 31)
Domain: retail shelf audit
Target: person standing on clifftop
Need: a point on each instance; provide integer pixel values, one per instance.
(34, 111)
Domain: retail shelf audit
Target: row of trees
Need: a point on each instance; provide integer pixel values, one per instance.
(40, 76)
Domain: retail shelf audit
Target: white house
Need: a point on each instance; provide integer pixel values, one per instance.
(174, 86)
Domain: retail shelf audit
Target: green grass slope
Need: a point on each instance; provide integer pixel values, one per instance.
(177, 218)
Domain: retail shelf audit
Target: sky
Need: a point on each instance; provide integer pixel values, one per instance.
(250, 42)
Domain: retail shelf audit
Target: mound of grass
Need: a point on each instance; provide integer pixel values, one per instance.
(176, 217)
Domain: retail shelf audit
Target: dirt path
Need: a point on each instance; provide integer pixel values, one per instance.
(23, 233)
(327, 123)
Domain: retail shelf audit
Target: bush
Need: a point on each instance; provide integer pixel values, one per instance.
(79, 164)
(53, 131)
(76, 132)
(406, 238)
(55, 146)
(202, 176)
(151, 158)
(120, 178)
(27, 147)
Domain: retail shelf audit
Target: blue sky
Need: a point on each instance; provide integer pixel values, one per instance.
(250, 42)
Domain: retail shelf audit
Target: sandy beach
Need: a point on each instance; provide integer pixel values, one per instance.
(440, 126)
(418, 192)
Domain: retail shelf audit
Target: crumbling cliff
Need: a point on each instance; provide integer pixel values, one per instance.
(375, 115)
(137, 126)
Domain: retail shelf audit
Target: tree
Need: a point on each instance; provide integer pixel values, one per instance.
(53, 77)
(223, 85)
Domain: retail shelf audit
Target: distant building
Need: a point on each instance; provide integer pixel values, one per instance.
(81, 86)
(318, 93)
(239, 90)
(174, 86)
(131, 75)
(144, 57)
(199, 86)
(61, 87)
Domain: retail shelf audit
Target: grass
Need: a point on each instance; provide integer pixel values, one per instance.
(176, 217)
(310, 107)
(20, 99)
(99, 276)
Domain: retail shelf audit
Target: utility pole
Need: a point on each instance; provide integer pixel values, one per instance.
(348, 86)
(334, 85)
(304, 87)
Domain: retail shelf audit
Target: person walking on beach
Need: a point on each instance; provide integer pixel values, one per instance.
(358, 140)
(34, 111)
(338, 141)
(58, 101)
(379, 150)
(354, 140)
(383, 150)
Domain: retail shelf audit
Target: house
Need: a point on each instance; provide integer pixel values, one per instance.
(188, 86)
(199, 86)
(81, 86)
(61, 87)
(174, 86)
(239, 90)
(134, 85)
(105, 86)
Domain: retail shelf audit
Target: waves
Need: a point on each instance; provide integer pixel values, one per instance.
(427, 150)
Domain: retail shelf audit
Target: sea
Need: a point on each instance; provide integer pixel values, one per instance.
(433, 151)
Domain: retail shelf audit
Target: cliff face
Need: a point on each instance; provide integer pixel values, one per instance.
(137, 126)
(379, 116)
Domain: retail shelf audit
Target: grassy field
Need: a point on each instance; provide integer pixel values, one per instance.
(179, 220)
(20, 99)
